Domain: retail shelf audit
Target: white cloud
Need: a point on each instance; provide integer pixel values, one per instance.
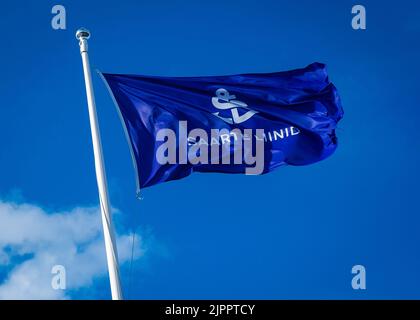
(72, 239)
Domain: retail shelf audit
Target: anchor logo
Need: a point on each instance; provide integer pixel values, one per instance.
(226, 101)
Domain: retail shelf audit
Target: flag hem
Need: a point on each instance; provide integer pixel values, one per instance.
(125, 133)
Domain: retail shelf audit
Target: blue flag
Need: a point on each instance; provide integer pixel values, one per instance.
(176, 124)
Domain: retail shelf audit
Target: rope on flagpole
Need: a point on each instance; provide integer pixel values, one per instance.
(133, 239)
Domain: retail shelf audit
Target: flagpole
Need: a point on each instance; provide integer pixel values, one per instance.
(110, 245)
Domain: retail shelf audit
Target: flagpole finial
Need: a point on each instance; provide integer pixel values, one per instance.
(82, 34)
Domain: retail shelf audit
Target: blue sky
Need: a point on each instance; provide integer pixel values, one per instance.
(294, 233)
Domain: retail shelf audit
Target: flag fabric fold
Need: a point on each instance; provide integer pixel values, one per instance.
(297, 110)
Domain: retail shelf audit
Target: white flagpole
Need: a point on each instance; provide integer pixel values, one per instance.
(110, 246)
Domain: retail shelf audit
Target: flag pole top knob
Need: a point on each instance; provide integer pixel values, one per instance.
(82, 34)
